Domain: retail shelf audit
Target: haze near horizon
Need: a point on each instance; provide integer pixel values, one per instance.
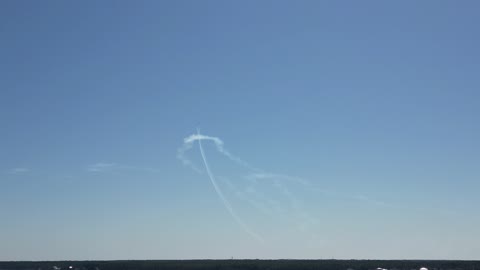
(252, 129)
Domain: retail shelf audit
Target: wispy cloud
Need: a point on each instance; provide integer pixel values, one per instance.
(264, 175)
(19, 170)
(295, 206)
(110, 167)
(101, 167)
(254, 197)
(370, 200)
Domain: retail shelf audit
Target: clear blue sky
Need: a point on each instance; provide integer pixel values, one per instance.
(369, 110)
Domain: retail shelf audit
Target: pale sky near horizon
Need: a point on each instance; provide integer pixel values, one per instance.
(331, 129)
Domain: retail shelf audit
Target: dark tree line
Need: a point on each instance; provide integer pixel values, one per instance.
(245, 265)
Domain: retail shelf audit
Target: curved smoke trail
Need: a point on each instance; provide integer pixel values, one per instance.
(280, 199)
(226, 203)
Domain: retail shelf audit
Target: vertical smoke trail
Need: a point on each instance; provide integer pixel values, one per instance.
(226, 203)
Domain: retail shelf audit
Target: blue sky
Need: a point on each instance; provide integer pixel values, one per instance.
(351, 129)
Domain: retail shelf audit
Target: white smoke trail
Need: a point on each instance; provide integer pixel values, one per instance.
(252, 195)
(279, 198)
(218, 143)
(226, 203)
(188, 144)
(181, 155)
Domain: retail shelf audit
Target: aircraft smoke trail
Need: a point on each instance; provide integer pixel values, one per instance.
(226, 203)
(218, 143)
(278, 184)
(254, 175)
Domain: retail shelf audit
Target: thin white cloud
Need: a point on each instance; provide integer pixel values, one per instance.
(101, 167)
(264, 175)
(19, 170)
(370, 200)
(254, 197)
(109, 167)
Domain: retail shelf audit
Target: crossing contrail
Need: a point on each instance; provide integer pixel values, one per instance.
(220, 194)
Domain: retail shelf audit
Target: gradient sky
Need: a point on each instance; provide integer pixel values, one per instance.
(373, 106)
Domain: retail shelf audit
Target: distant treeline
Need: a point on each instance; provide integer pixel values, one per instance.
(244, 265)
